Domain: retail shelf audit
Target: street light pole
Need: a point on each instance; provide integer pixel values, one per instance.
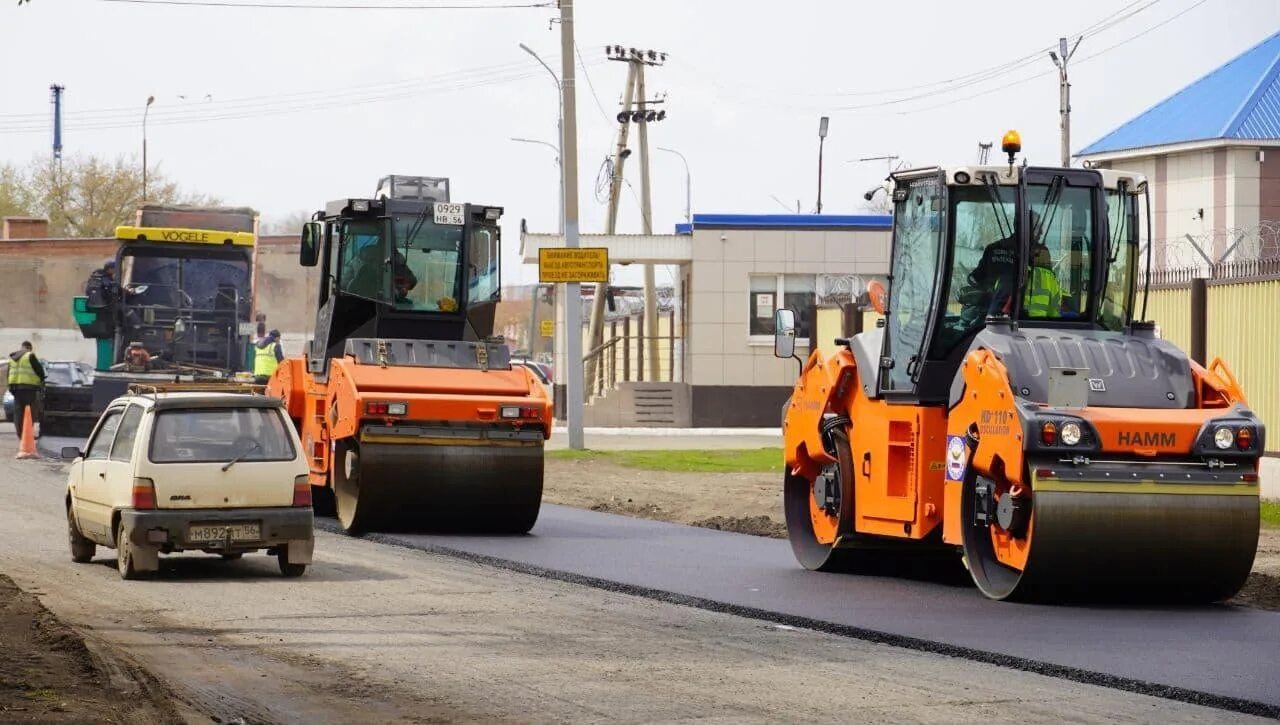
(822, 138)
(145, 111)
(556, 149)
(688, 185)
(559, 148)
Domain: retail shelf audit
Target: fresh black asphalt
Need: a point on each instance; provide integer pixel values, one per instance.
(1221, 656)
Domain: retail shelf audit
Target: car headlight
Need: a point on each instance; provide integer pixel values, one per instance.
(1224, 437)
(1070, 434)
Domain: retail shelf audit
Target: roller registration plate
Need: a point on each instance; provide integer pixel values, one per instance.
(245, 531)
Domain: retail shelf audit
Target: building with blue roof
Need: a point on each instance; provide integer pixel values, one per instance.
(1211, 152)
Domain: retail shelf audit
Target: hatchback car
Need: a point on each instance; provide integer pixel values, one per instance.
(221, 473)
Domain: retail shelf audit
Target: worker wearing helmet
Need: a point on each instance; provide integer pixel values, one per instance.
(1043, 294)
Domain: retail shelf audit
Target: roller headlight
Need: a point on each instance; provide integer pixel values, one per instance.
(1070, 434)
(1224, 437)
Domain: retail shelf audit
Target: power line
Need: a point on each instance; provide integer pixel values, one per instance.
(328, 6)
(592, 86)
(1036, 76)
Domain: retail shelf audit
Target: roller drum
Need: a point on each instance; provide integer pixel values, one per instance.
(1124, 546)
(434, 487)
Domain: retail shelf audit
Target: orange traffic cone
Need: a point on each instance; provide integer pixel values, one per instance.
(27, 447)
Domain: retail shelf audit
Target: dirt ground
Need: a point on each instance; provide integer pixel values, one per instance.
(48, 674)
(751, 503)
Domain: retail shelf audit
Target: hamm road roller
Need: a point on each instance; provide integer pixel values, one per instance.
(1012, 406)
(411, 414)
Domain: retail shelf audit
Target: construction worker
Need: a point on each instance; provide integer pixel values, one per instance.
(102, 288)
(136, 358)
(996, 273)
(1043, 295)
(267, 354)
(26, 380)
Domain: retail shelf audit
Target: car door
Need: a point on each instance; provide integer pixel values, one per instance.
(91, 498)
(119, 466)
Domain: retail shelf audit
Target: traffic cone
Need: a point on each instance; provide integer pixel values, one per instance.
(27, 447)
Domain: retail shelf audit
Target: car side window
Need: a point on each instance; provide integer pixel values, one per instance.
(100, 446)
(123, 448)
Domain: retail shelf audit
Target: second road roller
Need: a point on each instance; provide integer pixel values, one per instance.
(411, 413)
(1014, 405)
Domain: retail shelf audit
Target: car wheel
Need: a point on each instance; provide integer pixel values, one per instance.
(82, 550)
(124, 555)
(289, 570)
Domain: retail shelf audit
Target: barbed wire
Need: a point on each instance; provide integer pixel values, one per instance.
(1237, 253)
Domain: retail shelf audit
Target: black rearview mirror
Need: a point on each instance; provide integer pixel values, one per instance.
(309, 248)
(784, 333)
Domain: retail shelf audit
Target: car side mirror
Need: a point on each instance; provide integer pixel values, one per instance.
(70, 453)
(784, 333)
(309, 248)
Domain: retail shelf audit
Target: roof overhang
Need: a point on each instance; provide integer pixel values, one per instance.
(623, 248)
(1177, 148)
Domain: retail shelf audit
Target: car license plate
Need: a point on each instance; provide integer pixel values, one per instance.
(219, 532)
(446, 213)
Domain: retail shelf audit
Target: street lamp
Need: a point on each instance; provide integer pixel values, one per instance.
(559, 126)
(688, 198)
(145, 111)
(556, 149)
(822, 138)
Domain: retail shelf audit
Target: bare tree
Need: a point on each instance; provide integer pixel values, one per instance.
(86, 196)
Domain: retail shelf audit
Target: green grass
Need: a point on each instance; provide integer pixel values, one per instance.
(755, 460)
(1271, 513)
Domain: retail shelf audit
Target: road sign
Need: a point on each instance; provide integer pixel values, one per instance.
(548, 328)
(585, 264)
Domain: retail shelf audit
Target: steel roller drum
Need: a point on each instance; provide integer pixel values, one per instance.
(1121, 541)
(442, 487)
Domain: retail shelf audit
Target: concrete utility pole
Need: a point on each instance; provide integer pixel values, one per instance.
(569, 164)
(1064, 94)
(646, 215)
(633, 94)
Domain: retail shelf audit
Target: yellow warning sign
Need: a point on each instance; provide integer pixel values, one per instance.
(587, 264)
(548, 328)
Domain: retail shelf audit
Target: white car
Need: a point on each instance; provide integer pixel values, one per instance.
(221, 473)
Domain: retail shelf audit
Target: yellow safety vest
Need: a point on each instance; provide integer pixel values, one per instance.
(21, 372)
(264, 361)
(1044, 295)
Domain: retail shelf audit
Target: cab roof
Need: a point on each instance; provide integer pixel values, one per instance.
(1006, 176)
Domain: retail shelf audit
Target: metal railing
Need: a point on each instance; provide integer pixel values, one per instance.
(622, 357)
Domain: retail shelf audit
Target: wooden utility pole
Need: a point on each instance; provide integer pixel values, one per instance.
(1064, 95)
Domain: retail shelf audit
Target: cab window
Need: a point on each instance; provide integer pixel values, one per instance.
(917, 228)
(122, 450)
(983, 264)
(362, 260)
(100, 446)
(482, 266)
(1059, 269)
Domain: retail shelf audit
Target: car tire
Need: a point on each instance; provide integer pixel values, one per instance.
(124, 555)
(82, 549)
(291, 571)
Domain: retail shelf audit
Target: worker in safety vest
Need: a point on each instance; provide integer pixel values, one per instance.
(26, 379)
(267, 354)
(1043, 295)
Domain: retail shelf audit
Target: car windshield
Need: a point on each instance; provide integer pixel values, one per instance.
(217, 435)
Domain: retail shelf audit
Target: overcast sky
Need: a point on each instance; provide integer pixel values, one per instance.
(311, 105)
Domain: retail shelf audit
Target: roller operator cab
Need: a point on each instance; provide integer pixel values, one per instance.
(1013, 406)
(412, 415)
